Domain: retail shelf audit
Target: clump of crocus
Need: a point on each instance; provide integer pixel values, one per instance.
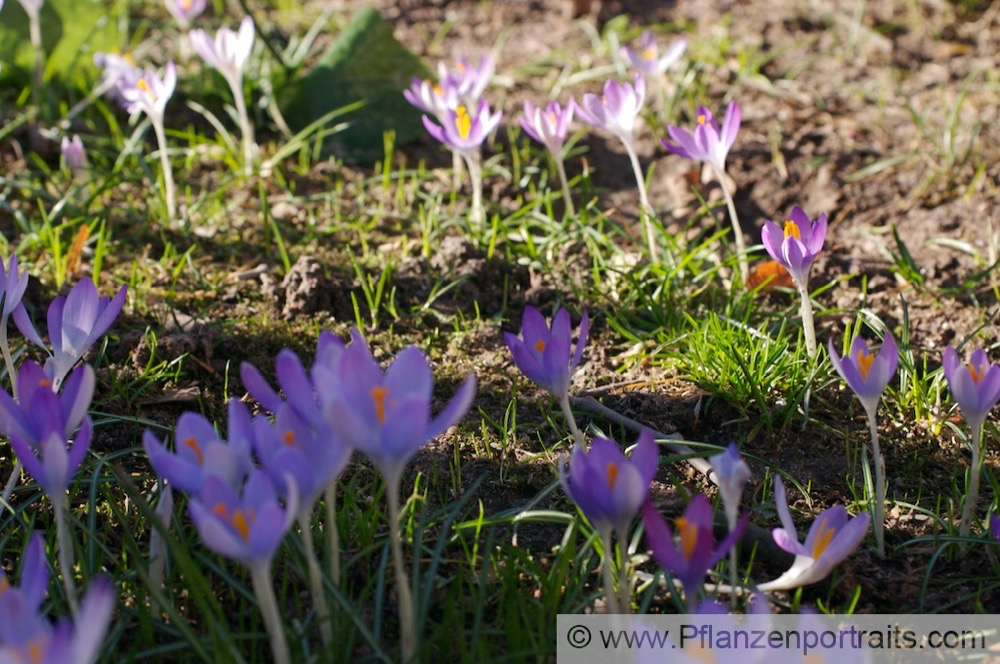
(75, 322)
(184, 11)
(832, 537)
(387, 417)
(248, 525)
(149, 93)
(710, 143)
(27, 636)
(228, 53)
(867, 374)
(610, 488)
(50, 434)
(74, 155)
(464, 132)
(548, 358)
(975, 386)
(696, 552)
(731, 474)
(549, 127)
(616, 111)
(796, 246)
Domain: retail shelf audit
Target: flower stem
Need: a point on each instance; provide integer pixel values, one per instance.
(168, 176)
(261, 578)
(879, 509)
(647, 210)
(624, 584)
(35, 33)
(316, 583)
(407, 619)
(607, 565)
(571, 422)
(333, 533)
(972, 494)
(567, 197)
(456, 170)
(741, 247)
(476, 179)
(808, 327)
(245, 127)
(65, 542)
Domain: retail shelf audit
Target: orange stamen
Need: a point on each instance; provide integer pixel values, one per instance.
(977, 373)
(649, 53)
(702, 119)
(45, 382)
(379, 393)
(221, 510)
(540, 346)
(4, 584)
(463, 123)
(289, 438)
(239, 520)
(689, 535)
(865, 363)
(612, 475)
(823, 539)
(792, 230)
(193, 445)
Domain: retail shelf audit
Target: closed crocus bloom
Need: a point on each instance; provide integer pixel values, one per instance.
(75, 323)
(545, 355)
(34, 580)
(229, 51)
(832, 537)
(14, 282)
(731, 474)
(696, 551)
(184, 11)
(199, 451)
(647, 58)
(866, 372)
(549, 126)
(608, 487)
(32, 8)
(431, 97)
(616, 110)
(465, 130)
(974, 385)
(74, 154)
(709, 142)
(796, 244)
(467, 80)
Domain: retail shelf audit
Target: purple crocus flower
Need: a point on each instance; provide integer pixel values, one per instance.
(548, 126)
(832, 537)
(75, 322)
(797, 244)
(34, 580)
(387, 416)
(115, 68)
(547, 356)
(995, 526)
(184, 11)
(149, 92)
(616, 110)
(246, 527)
(467, 80)
(464, 132)
(731, 474)
(975, 385)
(709, 143)
(865, 372)
(200, 453)
(74, 154)
(434, 98)
(697, 553)
(648, 59)
(608, 487)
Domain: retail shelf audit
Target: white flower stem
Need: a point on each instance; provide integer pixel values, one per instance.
(808, 327)
(264, 591)
(741, 247)
(647, 210)
(333, 534)
(245, 127)
(972, 494)
(879, 510)
(624, 584)
(316, 583)
(476, 179)
(12, 481)
(65, 542)
(567, 197)
(607, 565)
(35, 33)
(168, 176)
(407, 619)
(580, 443)
(456, 169)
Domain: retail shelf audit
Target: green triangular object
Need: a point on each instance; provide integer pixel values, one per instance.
(366, 62)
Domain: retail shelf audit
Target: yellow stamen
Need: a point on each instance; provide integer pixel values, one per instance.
(239, 520)
(289, 438)
(553, 120)
(186, 4)
(702, 119)
(689, 535)
(977, 373)
(612, 475)
(141, 84)
(463, 123)
(45, 382)
(438, 90)
(865, 362)
(193, 445)
(540, 346)
(792, 230)
(823, 539)
(379, 393)
(649, 53)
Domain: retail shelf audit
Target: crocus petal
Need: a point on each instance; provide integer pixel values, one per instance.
(730, 126)
(34, 580)
(772, 237)
(581, 341)
(259, 388)
(409, 375)
(24, 324)
(93, 619)
(455, 410)
(646, 456)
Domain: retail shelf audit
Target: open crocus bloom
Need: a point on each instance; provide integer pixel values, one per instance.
(467, 80)
(616, 110)
(149, 92)
(228, 52)
(797, 244)
(609, 487)
(832, 537)
(184, 11)
(545, 355)
(866, 373)
(709, 142)
(975, 385)
(648, 59)
(430, 97)
(731, 474)
(462, 130)
(548, 126)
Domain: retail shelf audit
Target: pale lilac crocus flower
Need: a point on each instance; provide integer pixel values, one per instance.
(867, 374)
(647, 58)
(832, 537)
(609, 489)
(228, 53)
(430, 97)
(184, 11)
(464, 132)
(731, 473)
(74, 155)
(468, 80)
(115, 69)
(975, 387)
(149, 93)
(550, 126)
(796, 246)
(548, 357)
(710, 143)
(616, 111)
